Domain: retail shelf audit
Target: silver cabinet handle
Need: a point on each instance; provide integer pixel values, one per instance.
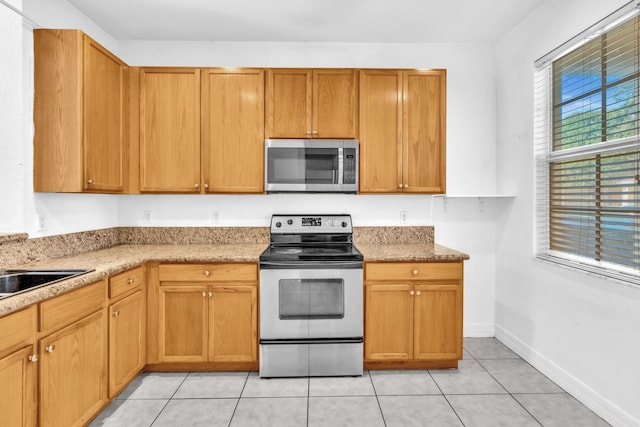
(33, 358)
(89, 181)
(418, 293)
(116, 313)
(50, 348)
(411, 293)
(130, 281)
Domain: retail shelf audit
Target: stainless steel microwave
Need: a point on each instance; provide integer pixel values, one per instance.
(311, 166)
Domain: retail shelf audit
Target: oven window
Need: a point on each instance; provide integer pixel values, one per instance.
(302, 165)
(305, 299)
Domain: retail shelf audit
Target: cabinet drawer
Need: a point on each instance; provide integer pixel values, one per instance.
(413, 270)
(18, 329)
(65, 309)
(126, 282)
(208, 272)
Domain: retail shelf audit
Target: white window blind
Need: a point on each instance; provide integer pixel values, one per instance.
(587, 136)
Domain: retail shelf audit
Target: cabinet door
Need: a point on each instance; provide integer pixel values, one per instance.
(73, 371)
(183, 323)
(18, 388)
(438, 320)
(380, 131)
(126, 341)
(289, 94)
(105, 116)
(234, 323)
(233, 131)
(388, 322)
(334, 104)
(170, 130)
(423, 134)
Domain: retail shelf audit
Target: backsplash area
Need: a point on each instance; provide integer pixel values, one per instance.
(19, 249)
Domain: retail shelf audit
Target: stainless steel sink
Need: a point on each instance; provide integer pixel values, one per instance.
(16, 281)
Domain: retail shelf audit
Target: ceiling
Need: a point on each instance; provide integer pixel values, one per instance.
(368, 21)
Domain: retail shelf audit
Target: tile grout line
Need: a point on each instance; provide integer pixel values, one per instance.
(445, 396)
(375, 392)
(505, 388)
(246, 380)
(170, 398)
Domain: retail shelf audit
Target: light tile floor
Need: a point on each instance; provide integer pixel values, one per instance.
(491, 387)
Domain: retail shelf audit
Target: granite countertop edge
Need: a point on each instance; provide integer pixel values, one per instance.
(104, 263)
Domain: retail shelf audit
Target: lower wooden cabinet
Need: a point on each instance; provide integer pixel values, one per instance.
(73, 371)
(205, 314)
(18, 385)
(127, 327)
(215, 323)
(413, 313)
(18, 369)
(126, 341)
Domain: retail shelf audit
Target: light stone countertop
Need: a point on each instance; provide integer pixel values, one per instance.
(107, 262)
(114, 260)
(415, 252)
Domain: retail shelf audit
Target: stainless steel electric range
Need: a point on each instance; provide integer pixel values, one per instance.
(311, 303)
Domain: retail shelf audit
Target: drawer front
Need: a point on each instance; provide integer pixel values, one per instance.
(208, 272)
(126, 282)
(18, 329)
(413, 270)
(68, 308)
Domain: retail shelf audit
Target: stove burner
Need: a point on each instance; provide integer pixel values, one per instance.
(298, 244)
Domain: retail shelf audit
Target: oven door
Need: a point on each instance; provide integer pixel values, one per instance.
(311, 303)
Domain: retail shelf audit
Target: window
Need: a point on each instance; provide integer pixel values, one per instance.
(587, 132)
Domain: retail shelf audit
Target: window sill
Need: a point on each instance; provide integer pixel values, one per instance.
(624, 278)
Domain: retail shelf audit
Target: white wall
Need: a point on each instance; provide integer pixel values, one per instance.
(582, 331)
(11, 119)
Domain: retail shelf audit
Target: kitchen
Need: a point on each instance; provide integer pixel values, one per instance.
(488, 153)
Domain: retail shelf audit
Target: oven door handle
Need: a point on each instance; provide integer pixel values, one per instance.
(303, 265)
(354, 340)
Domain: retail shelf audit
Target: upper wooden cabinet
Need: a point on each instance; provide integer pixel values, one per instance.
(80, 114)
(402, 131)
(200, 131)
(304, 103)
(233, 130)
(380, 131)
(169, 126)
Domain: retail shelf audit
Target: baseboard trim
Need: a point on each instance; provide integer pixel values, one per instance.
(608, 410)
(478, 330)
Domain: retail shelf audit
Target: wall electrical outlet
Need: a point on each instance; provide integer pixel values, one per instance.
(147, 217)
(42, 224)
(403, 217)
(215, 216)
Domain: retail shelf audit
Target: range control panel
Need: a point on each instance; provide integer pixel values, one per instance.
(311, 224)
